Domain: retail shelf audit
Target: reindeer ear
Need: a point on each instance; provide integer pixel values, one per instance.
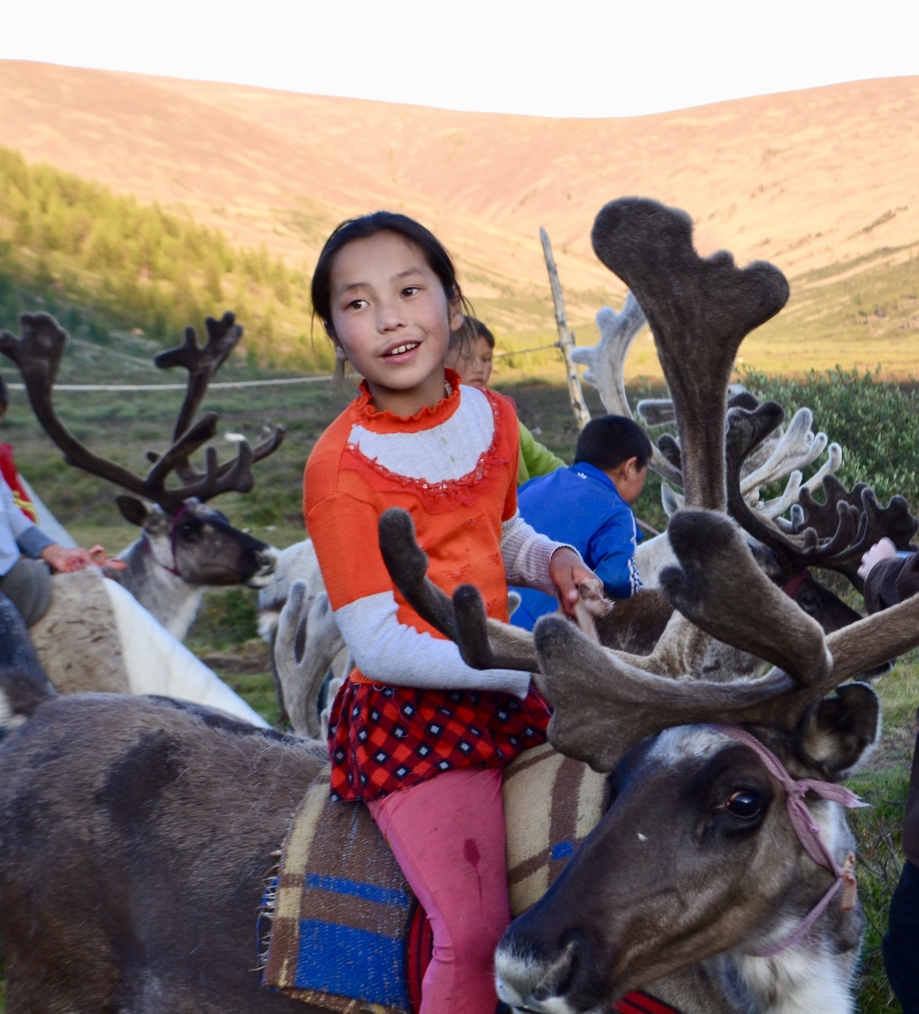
(841, 729)
(134, 511)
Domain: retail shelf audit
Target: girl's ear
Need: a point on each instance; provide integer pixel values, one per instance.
(456, 313)
(340, 353)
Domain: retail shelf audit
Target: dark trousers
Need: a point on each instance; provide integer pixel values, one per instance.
(28, 586)
(901, 945)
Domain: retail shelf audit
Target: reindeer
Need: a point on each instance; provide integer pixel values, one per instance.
(698, 884)
(185, 545)
(135, 833)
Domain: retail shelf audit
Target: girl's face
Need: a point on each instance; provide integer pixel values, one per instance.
(392, 321)
(474, 364)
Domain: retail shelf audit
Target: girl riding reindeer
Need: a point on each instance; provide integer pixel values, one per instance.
(416, 733)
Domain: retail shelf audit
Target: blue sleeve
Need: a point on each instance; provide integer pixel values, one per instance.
(610, 555)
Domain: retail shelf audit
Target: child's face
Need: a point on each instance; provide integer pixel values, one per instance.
(474, 364)
(392, 320)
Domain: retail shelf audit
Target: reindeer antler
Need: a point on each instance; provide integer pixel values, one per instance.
(202, 363)
(38, 355)
(833, 535)
(649, 246)
(605, 364)
(603, 705)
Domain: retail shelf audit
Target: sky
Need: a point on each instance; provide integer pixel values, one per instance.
(568, 58)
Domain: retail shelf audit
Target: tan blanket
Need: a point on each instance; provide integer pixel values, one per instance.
(341, 908)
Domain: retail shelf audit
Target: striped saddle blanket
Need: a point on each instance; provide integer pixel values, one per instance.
(346, 933)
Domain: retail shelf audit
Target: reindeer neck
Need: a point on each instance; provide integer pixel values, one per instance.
(162, 593)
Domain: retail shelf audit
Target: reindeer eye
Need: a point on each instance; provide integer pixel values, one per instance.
(745, 804)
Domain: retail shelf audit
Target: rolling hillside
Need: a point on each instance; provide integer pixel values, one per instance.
(820, 182)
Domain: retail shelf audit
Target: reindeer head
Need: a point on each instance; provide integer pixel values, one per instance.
(697, 855)
(193, 541)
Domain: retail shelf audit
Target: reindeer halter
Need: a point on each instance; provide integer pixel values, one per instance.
(808, 834)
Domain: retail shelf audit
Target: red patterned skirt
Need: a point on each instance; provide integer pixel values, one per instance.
(384, 738)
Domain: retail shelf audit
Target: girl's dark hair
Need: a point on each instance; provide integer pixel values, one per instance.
(4, 395)
(467, 334)
(608, 441)
(439, 261)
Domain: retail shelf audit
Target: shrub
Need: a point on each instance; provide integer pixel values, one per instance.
(875, 422)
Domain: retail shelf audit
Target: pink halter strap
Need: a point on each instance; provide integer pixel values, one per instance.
(808, 834)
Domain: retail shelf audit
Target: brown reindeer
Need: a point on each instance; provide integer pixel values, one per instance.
(185, 544)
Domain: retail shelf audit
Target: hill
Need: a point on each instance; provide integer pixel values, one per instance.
(820, 182)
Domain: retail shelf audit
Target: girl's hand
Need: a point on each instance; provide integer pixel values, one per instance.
(882, 550)
(567, 570)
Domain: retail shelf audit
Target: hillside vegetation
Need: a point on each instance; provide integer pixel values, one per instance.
(819, 182)
(64, 240)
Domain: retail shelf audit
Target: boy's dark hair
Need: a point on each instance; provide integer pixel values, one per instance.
(608, 441)
(439, 261)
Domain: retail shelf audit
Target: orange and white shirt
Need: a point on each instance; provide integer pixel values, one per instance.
(453, 467)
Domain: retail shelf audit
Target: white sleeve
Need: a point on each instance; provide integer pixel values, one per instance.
(389, 651)
(526, 555)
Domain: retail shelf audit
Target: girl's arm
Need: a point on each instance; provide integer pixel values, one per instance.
(389, 651)
(532, 560)
(344, 532)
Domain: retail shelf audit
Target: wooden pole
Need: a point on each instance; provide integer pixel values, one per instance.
(565, 338)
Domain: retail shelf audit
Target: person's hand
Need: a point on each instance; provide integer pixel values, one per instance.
(65, 560)
(567, 570)
(882, 550)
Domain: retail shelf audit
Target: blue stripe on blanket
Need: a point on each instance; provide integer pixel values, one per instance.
(353, 963)
(369, 892)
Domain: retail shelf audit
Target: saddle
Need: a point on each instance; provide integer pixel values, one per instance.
(340, 928)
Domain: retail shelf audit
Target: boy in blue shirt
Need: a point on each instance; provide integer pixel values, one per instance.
(587, 505)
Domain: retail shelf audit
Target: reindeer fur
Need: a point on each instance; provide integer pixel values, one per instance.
(132, 868)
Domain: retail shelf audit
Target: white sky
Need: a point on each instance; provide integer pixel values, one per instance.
(567, 58)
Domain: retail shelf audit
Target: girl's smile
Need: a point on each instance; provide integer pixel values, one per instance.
(392, 320)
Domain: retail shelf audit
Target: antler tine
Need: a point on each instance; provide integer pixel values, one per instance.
(196, 479)
(502, 646)
(699, 311)
(407, 564)
(714, 560)
(605, 361)
(745, 430)
(774, 508)
(875, 522)
(38, 355)
(605, 364)
(202, 363)
(797, 448)
(655, 412)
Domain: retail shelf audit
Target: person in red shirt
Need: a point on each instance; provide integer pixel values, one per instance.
(414, 732)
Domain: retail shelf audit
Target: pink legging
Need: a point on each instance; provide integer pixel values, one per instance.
(448, 837)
